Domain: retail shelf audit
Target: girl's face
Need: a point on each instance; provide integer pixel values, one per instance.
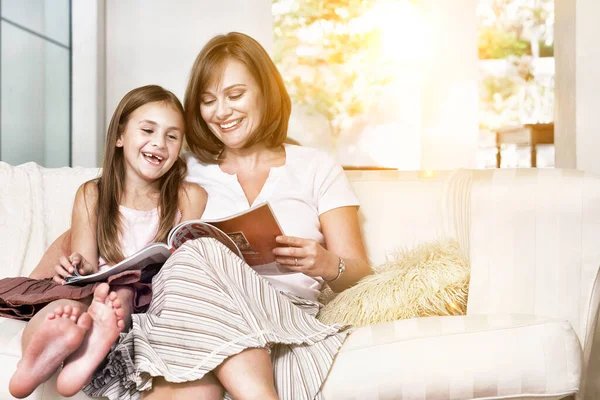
(151, 141)
(232, 105)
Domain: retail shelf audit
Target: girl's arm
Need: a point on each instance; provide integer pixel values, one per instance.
(84, 223)
(84, 245)
(60, 247)
(192, 201)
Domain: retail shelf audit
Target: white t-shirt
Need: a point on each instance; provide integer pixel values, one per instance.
(309, 184)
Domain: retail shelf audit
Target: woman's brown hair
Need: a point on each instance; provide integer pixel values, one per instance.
(277, 105)
(111, 182)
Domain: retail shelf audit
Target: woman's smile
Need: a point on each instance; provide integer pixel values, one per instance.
(231, 125)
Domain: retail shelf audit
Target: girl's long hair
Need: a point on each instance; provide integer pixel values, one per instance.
(112, 180)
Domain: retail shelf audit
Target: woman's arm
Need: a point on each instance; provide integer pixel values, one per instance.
(341, 229)
(342, 235)
(192, 201)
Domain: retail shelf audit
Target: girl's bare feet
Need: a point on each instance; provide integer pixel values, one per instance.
(107, 322)
(58, 336)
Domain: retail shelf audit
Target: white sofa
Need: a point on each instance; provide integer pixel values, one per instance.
(533, 241)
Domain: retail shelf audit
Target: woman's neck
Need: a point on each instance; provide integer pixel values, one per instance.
(252, 158)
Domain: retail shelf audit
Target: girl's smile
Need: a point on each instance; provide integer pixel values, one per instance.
(153, 158)
(151, 141)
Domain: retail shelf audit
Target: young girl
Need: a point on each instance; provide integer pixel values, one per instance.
(137, 200)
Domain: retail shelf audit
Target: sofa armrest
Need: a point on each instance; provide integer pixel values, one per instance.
(535, 245)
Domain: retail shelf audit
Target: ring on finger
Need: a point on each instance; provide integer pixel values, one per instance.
(296, 261)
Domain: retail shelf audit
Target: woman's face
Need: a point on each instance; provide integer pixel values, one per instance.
(231, 105)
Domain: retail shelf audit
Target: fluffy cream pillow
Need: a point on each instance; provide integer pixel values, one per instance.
(431, 279)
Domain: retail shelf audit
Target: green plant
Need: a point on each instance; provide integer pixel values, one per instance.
(494, 43)
(510, 30)
(329, 66)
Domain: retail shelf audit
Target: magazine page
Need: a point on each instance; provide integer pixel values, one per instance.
(194, 229)
(254, 232)
(156, 253)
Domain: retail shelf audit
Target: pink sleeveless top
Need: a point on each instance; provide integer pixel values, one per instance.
(139, 229)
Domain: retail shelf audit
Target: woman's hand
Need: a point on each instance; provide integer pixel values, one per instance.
(306, 256)
(67, 267)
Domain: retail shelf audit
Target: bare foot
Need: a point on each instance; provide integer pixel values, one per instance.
(107, 322)
(58, 336)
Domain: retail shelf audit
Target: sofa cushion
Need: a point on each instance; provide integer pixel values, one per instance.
(34, 211)
(17, 212)
(431, 279)
(458, 357)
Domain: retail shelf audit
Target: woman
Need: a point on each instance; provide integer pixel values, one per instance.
(216, 325)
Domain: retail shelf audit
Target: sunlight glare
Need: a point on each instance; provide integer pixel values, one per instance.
(401, 27)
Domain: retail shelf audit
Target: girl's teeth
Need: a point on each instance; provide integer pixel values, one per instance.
(152, 155)
(152, 158)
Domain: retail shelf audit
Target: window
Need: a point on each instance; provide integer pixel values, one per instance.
(35, 83)
(516, 103)
(352, 71)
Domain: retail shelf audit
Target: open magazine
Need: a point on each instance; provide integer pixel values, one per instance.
(250, 234)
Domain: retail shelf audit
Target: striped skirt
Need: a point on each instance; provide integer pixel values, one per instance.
(208, 305)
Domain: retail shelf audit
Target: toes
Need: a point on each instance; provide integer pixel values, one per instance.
(119, 313)
(85, 321)
(58, 312)
(76, 312)
(101, 293)
(67, 310)
(110, 300)
(71, 312)
(55, 314)
(117, 303)
(121, 324)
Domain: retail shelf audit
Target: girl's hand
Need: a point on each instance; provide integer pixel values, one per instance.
(306, 256)
(67, 267)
